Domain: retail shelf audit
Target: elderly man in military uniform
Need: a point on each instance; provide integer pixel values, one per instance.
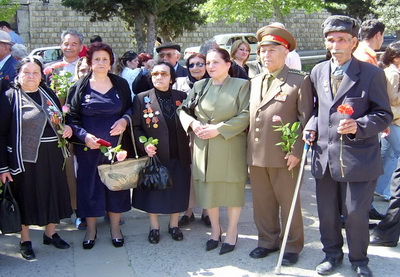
(286, 93)
(346, 160)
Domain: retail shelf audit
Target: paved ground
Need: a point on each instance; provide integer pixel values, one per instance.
(187, 258)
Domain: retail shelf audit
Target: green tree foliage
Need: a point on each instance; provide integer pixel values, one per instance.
(388, 12)
(359, 9)
(145, 17)
(240, 10)
(8, 8)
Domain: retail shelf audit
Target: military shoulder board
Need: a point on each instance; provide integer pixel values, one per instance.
(296, 71)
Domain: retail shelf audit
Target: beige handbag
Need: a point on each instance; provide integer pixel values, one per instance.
(122, 175)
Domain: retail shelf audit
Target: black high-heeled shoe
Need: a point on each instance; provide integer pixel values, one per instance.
(226, 247)
(118, 242)
(212, 244)
(88, 244)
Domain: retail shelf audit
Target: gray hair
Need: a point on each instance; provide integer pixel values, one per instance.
(72, 32)
(19, 51)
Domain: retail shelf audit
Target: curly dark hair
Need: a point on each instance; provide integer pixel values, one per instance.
(392, 51)
(98, 46)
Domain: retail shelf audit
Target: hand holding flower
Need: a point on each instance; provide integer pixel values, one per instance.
(67, 132)
(347, 126)
(292, 161)
(90, 141)
(150, 150)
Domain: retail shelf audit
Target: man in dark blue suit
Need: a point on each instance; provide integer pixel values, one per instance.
(170, 52)
(345, 150)
(7, 62)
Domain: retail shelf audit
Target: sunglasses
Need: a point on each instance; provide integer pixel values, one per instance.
(169, 55)
(192, 65)
(156, 73)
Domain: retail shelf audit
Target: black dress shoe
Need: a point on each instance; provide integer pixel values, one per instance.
(25, 248)
(261, 252)
(290, 259)
(211, 244)
(362, 270)
(377, 241)
(56, 241)
(226, 247)
(206, 220)
(154, 236)
(374, 214)
(328, 265)
(185, 220)
(88, 244)
(118, 242)
(176, 233)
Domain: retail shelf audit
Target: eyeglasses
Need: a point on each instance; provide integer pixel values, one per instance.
(169, 55)
(192, 65)
(156, 73)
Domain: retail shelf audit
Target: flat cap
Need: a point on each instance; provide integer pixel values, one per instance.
(275, 35)
(5, 38)
(168, 45)
(341, 23)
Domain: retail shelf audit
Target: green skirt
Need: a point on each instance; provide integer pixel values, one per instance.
(219, 194)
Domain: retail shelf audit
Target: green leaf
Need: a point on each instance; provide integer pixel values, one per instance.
(103, 149)
(142, 139)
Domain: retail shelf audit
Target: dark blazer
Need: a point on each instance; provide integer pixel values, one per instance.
(161, 133)
(8, 72)
(181, 71)
(364, 88)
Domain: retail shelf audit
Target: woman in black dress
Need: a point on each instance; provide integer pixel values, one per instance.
(30, 157)
(154, 115)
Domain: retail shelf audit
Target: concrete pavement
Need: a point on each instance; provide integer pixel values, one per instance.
(138, 258)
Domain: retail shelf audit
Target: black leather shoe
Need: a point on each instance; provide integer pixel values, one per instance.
(374, 214)
(176, 233)
(185, 220)
(261, 252)
(328, 265)
(206, 220)
(25, 248)
(88, 244)
(211, 244)
(377, 241)
(290, 259)
(362, 270)
(154, 236)
(56, 241)
(118, 242)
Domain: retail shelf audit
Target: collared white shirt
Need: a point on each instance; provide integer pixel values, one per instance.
(3, 61)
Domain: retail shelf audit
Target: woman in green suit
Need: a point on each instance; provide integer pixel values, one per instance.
(219, 152)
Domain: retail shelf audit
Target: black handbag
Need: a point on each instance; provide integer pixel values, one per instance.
(10, 218)
(194, 101)
(154, 176)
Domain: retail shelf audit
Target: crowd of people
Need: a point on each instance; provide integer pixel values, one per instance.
(210, 149)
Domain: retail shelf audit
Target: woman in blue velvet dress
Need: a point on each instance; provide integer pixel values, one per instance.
(100, 104)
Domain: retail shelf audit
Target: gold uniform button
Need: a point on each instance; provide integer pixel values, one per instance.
(256, 139)
(257, 129)
(257, 119)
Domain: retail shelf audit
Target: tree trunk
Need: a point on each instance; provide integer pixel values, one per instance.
(278, 13)
(151, 33)
(139, 20)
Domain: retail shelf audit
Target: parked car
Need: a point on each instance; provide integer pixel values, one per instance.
(226, 40)
(387, 39)
(48, 54)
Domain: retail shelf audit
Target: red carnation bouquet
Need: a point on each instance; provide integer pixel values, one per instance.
(346, 111)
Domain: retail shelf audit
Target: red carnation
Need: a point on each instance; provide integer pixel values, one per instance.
(345, 109)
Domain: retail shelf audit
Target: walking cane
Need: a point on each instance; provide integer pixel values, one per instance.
(289, 221)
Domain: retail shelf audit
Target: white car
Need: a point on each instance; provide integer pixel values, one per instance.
(226, 40)
(48, 54)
